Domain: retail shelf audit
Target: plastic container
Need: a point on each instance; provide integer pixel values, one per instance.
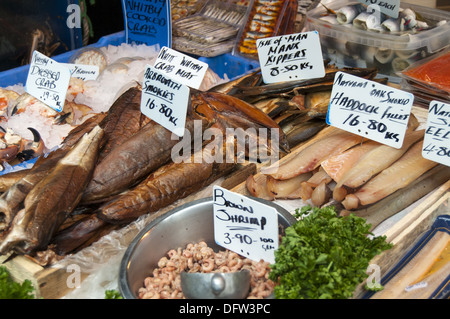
(348, 46)
(264, 19)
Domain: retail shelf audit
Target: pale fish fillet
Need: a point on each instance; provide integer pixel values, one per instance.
(336, 166)
(376, 160)
(400, 174)
(416, 267)
(313, 155)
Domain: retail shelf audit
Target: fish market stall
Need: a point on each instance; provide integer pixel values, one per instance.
(128, 182)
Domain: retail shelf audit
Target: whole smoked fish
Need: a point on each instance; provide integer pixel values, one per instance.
(52, 199)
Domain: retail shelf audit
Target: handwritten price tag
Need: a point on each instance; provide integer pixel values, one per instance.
(147, 22)
(436, 142)
(164, 100)
(84, 72)
(370, 109)
(290, 57)
(48, 81)
(388, 7)
(245, 226)
(180, 67)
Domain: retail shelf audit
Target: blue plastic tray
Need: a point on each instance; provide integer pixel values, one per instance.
(225, 64)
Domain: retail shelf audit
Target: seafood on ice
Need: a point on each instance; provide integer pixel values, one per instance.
(353, 173)
(150, 181)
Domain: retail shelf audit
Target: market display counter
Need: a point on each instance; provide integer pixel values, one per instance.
(89, 272)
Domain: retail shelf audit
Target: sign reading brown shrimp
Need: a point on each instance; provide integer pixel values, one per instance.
(245, 226)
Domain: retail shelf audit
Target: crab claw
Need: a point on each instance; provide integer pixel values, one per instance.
(35, 149)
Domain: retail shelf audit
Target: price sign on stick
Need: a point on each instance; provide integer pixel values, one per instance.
(48, 81)
(147, 22)
(370, 109)
(164, 100)
(181, 67)
(388, 7)
(244, 225)
(84, 72)
(436, 142)
(290, 57)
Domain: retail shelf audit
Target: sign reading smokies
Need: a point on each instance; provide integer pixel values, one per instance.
(370, 109)
(164, 100)
(147, 22)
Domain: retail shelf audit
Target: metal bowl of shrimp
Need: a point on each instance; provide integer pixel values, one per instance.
(189, 225)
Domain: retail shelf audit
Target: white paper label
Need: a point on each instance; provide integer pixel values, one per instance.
(290, 57)
(84, 72)
(388, 7)
(181, 67)
(164, 100)
(436, 142)
(48, 81)
(245, 226)
(370, 109)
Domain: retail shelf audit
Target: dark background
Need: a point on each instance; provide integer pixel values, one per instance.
(20, 19)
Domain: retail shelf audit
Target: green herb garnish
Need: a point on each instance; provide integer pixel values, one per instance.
(323, 255)
(9, 289)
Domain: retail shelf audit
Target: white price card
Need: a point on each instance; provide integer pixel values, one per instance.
(181, 67)
(370, 109)
(48, 81)
(244, 225)
(436, 142)
(290, 57)
(164, 100)
(390, 8)
(84, 72)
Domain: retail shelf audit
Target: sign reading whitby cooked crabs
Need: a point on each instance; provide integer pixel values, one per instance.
(147, 22)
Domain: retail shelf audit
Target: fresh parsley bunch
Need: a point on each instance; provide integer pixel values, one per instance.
(323, 255)
(10, 289)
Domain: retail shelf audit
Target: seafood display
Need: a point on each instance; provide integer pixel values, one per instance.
(54, 197)
(266, 19)
(101, 167)
(336, 167)
(121, 176)
(211, 31)
(165, 281)
(428, 79)
(357, 35)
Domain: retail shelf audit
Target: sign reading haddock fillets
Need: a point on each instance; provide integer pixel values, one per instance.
(370, 109)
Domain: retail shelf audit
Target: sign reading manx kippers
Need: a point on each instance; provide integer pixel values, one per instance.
(290, 57)
(244, 225)
(370, 109)
(48, 81)
(147, 22)
(164, 100)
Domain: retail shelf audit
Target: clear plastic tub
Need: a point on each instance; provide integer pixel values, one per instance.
(390, 52)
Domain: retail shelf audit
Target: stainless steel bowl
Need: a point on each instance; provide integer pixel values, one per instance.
(188, 223)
